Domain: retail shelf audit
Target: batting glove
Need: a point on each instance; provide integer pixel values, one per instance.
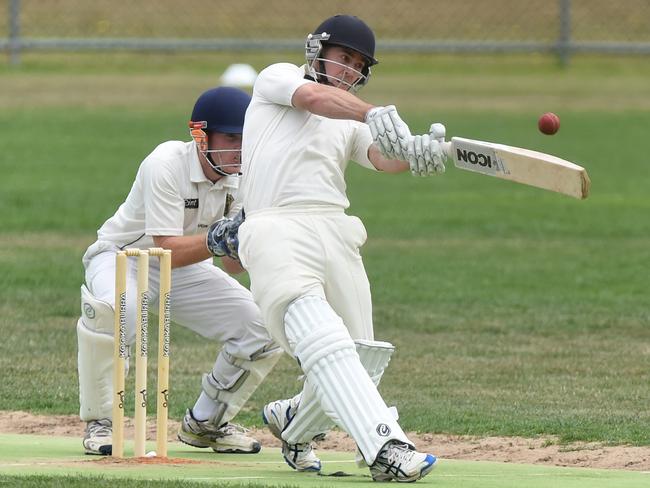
(425, 156)
(389, 131)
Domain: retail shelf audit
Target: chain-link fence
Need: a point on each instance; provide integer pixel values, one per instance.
(555, 26)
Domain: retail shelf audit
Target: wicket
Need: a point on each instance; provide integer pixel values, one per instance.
(141, 350)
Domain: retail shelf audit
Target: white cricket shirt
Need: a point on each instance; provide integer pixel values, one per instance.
(170, 196)
(291, 156)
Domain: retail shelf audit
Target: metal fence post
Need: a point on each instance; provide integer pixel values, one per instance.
(14, 32)
(564, 40)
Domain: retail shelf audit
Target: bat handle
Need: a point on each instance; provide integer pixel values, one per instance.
(446, 146)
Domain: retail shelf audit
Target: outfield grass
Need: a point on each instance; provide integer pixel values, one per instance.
(514, 311)
(500, 20)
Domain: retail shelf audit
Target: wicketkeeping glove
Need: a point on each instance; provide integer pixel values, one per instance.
(389, 131)
(223, 238)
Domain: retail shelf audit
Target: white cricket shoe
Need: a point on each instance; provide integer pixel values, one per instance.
(277, 415)
(98, 437)
(397, 461)
(227, 438)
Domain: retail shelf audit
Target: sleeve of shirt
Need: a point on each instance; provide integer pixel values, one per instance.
(361, 141)
(163, 204)
(278, 82)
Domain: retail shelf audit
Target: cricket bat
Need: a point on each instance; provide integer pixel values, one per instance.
(520, 165)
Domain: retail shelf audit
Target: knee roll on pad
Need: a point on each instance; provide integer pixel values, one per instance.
(97, 315)
(314, 331)
(233, 380)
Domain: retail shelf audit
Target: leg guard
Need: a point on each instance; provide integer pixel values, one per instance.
(329, 359)
(311, 421)
(95, 357)
(375, 356)
(233, 380)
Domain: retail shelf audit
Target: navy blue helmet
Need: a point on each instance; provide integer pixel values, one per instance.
(340, 30)
(349, 31)
(222, 110)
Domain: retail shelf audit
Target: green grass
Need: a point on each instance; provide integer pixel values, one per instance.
(502, 20)
(514, 311)
(96, 481)
(35, 461)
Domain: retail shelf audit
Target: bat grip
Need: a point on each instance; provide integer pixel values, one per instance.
(446, 146)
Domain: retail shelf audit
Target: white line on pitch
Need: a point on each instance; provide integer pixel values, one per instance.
(227, 478)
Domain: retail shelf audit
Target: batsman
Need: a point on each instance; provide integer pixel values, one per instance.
(180, 196)
(301, 249)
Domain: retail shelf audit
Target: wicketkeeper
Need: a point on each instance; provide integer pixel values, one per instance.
(180, 193)
(301, 250)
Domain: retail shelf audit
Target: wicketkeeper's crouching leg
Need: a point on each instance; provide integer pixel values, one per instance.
(234, 377)
(95, 366)
(225, 391)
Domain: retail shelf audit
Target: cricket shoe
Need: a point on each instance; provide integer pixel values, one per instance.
(227, 438)
(98, 437)
(277, 415)
(397, 461)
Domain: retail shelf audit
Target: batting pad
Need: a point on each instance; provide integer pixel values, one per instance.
(233, 380)
(310, 420)
(95, 357)
(375, 356)
(328, 357)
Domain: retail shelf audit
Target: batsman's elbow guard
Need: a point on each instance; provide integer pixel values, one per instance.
(223, 239)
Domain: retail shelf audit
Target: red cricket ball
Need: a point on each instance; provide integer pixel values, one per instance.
(549, 123)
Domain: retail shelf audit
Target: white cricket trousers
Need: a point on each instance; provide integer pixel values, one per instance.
(297, 257)
(295, 251)
(204, 299)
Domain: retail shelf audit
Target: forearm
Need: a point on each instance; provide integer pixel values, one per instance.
(330, 102)
(384, 164)
(185, 249)
(232, 266)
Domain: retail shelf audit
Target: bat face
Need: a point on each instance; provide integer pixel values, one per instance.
(520, 165)
(479, 157)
